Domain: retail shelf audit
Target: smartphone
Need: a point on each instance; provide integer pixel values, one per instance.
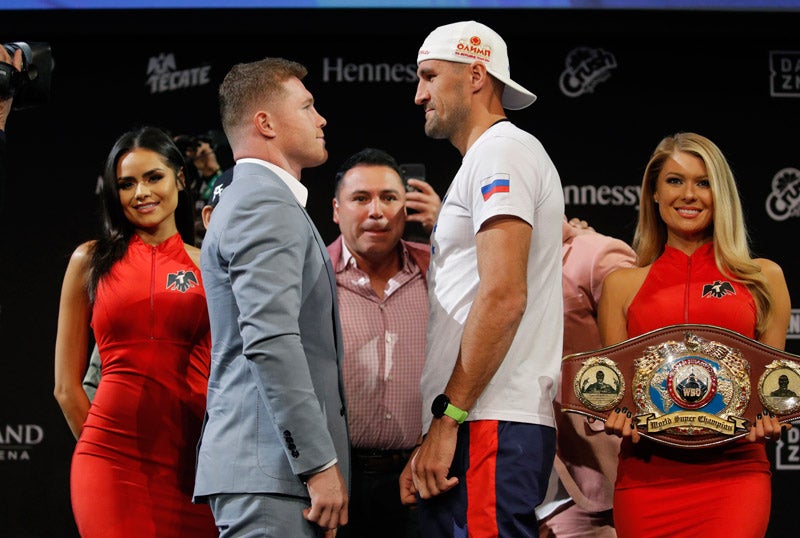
(412, 170)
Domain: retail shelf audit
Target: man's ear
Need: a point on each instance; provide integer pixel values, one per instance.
(264, 123)
(335, 210)
(478, 75)
(205, 213)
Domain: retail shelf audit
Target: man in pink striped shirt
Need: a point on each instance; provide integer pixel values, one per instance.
(383, 304)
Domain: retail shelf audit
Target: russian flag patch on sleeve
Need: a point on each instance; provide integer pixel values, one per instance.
(494, 184)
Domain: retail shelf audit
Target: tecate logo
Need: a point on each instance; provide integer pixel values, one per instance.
(163, 75)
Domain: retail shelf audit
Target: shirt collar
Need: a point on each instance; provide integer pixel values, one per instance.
(298, 189)
(347, 257)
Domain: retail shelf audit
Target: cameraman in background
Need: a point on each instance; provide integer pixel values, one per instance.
(202, 170)
(5, 109)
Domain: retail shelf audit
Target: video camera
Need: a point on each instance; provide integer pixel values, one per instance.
(29, 86)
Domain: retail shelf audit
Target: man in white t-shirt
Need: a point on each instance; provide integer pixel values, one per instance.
(496, 319)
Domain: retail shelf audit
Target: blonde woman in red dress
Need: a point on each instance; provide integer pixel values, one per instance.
(691, 233)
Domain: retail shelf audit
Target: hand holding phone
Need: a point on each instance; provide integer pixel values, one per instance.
(412, 171)
(422, 202)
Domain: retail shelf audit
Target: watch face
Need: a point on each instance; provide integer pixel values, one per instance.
(439, 405)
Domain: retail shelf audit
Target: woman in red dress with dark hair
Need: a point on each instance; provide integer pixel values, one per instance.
(140, 287)
(691, 233)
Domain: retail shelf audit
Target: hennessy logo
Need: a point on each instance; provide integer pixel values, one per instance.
(603, 195)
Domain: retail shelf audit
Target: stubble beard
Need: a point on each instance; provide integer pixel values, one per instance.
(438, 128)
(434, 128)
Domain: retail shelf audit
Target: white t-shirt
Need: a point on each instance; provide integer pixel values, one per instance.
(505, 172)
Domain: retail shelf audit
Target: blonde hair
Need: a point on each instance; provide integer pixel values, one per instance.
(731, 245)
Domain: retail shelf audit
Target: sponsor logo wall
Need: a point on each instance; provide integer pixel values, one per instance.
(163, 75)
(585, 69)
(18, 441)
(785, 73)
(783, 201)
(787, 452)
(608, 91)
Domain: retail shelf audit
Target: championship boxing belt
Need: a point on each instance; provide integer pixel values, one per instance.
(689, 386)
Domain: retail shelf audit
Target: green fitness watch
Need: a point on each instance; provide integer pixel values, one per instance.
(441, 406)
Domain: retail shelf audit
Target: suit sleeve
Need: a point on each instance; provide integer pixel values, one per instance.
(270, 248)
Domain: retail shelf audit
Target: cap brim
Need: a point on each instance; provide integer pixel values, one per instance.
(515, 97)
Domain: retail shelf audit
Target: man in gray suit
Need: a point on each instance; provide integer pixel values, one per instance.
(274, 456)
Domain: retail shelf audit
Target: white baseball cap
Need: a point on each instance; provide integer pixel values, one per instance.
(468, 41)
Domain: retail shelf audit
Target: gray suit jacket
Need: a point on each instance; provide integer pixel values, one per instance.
(275, 406)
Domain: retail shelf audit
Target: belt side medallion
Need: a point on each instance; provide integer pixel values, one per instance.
(779, 387)
(599, 384)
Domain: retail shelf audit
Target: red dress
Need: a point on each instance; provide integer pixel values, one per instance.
(663, 491)
(133, 467)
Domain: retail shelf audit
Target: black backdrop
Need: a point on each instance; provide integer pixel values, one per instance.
(611, 84)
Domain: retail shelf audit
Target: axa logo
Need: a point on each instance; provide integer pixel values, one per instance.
(164, 76)
(181, 281)
(585, 68)
(17, 441)
(784, 73)
(784, 198)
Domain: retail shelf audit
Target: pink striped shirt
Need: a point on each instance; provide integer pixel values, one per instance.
(384, 348)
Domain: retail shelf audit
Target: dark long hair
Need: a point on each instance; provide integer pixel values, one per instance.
(116, 228)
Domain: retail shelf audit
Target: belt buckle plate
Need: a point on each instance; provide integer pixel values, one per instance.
(693, 387)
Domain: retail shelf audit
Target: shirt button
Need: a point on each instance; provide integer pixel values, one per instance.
(389, 338)
(382, 306)
(388, 416)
